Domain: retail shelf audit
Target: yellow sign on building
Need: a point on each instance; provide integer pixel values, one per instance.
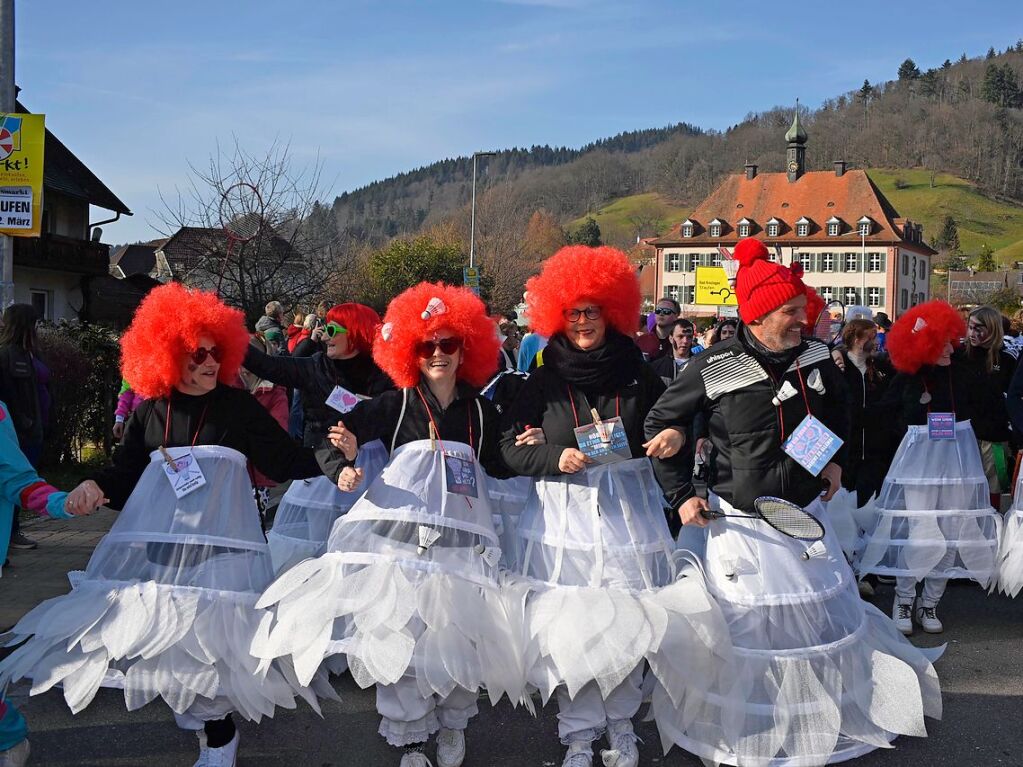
(712, 288)
(22, 138)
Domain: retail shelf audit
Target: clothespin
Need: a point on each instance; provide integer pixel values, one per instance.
(433, 436)
(167, 458)
(595, 414)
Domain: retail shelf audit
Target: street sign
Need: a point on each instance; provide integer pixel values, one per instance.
(471, 278)
(712, 288)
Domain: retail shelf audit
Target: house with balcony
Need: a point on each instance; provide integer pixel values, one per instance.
(853, 245)
(63, 271)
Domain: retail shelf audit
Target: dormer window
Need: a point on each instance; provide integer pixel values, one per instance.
(715, 228)
(745, 226)
(687, 228)
(834, 226)
(773, 227)
(803, 227)
(865, 226)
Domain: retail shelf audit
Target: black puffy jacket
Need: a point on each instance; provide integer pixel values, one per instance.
(733, 386)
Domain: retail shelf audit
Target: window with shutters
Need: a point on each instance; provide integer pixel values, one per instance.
(875, 262)
(673, 262)
(851, 262)
(827, 262)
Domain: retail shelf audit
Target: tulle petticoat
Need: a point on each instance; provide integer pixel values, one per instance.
(933, 517)
(408, 585)
(1010, 553)
(165, 607)
(819, 676)
(308, 510)
(603, 598)
(507, 500)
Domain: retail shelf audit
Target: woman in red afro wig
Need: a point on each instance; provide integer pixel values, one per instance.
(168, 324)
(603, 275)
(423, 311)
(933, 519)
(425, 522)
(360, 321)
(919, 337)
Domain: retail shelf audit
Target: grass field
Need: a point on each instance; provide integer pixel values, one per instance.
(981, 220)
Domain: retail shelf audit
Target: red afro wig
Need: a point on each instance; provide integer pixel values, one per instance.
(445, 307)
(361, 323)
(577, 272)
(167, 326)
(814, 306)
(919, 336)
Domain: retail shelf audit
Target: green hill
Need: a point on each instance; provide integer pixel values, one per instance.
(646, 214)
(981, 219)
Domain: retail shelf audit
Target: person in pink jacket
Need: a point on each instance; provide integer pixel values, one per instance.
(127, 401)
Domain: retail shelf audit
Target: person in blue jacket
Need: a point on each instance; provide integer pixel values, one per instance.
(21, 486)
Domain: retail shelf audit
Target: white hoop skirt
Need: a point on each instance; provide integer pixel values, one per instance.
(166, 605)
(408, 585)
(819, 676)
(1010, 554)
(600, 562)
(933, 517)
(308, 510)
(507, 500)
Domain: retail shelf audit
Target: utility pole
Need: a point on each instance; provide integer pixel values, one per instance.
(472, 224)
(7, 98)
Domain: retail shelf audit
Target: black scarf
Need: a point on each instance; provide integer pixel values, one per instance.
(606, 369)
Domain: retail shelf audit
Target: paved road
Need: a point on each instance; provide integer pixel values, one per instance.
(981, 674)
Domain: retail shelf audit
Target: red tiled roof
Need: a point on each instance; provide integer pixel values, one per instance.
(817, 195)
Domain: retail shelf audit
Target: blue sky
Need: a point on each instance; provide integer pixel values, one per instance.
(139, 89)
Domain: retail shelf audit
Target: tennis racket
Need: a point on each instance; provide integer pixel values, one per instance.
(241, 216)
(830, 323)
(784, 516)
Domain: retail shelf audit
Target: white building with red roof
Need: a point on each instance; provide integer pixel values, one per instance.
(853, 244)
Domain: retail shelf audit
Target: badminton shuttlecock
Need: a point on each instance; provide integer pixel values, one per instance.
(919, 325)
(386, 330)
(427, 537)
(786, 391)
(731, 267)
(434, 308)
(816, 381)
(489, 554)
(815, 550)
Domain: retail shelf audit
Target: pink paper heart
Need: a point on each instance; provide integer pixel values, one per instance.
(349, 400)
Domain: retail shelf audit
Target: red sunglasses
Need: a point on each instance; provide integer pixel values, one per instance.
(199, 355)
(426, 349)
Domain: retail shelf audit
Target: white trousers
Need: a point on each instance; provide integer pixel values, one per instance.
(202, 711)
(934, 588)
(587, 715)
(407, 717)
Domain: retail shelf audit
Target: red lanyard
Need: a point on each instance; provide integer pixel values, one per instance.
(436, 430)
(575, 413)
(195, 437)
(951, 392)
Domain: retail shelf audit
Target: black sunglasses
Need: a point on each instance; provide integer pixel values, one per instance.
(590, 312)
(426, 349)
(664, 311)
(199, 355)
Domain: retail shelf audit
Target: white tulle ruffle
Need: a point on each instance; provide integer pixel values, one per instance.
(1010, 554)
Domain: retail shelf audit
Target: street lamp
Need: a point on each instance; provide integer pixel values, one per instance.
(472, 224)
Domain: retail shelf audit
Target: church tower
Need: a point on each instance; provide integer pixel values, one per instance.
(795, 161)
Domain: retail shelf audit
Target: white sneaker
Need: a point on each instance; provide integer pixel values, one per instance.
(225, 756)
(927, 617)
(902, 614)
(16, 756)
(580, 754)
(414, 759)
(450, 747)
(623, 751)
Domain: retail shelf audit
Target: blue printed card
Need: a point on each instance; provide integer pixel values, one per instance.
(812, 445)
(941, 426)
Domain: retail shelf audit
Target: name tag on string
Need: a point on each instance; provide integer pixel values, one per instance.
(343, 400)
(460, 476)
(184, 475)
(812, 445)
(941, 426)
(604, 441)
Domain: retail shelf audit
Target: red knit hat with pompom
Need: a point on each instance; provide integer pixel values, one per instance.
(761, 286)
(426, 309)
(919, 336)
(603, 275)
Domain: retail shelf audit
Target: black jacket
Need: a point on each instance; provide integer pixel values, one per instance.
(19, 390)
(399, 417)
(228, 416)
(316, 377)
(873, 433)
(733, 386)
(666, 368)
(544, 401)
(987, 390)
(949, 390)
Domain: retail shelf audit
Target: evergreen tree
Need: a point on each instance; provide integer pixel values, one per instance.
(866, 91)
(948, 237)
(587, 234)
(909, 71)
(929, 84)
(991, 53)
(986, 259)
